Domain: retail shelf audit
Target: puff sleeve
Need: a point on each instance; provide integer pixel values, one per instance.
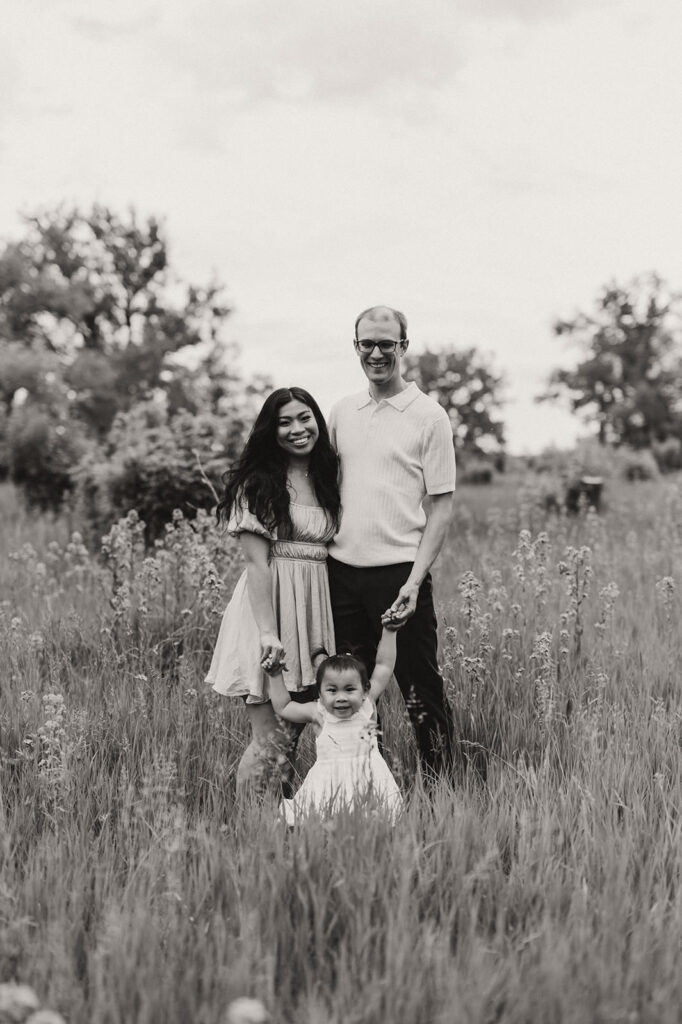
(243, 521)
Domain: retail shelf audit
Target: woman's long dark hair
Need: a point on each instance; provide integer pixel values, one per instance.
(258, 479)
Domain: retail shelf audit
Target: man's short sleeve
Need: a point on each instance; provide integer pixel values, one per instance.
(438, 456)
(331, 427)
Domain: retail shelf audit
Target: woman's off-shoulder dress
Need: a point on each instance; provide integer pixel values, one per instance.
(300, 597)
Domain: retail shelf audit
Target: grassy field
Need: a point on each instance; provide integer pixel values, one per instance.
(544, 886)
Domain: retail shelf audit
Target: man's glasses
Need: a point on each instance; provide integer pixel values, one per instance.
(386, 348)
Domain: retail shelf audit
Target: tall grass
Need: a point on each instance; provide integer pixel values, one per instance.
(544, 885)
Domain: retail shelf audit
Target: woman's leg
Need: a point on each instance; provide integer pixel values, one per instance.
(267, 762)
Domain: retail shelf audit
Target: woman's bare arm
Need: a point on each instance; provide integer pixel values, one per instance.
(259, 585)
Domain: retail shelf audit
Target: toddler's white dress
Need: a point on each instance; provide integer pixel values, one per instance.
(349, 766)
(300, 597)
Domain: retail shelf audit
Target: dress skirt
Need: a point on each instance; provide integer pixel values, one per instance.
(300, 597)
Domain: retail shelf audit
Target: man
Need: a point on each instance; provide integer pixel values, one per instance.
(395, 445)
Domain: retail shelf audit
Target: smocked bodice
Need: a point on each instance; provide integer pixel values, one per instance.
(312, 531)
(346, 738)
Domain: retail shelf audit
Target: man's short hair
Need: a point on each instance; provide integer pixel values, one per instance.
(371, 314)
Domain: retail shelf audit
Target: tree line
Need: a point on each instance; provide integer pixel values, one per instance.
(119, 390)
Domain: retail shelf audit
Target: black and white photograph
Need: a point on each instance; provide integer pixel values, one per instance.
(340, 512)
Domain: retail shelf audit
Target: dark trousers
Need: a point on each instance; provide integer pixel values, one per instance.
(359, 597)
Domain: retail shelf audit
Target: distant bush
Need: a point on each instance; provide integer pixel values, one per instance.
(610, 461)
(588, 458)
(591, 459)
(668, 454)
(155, 464)
(4, 449)
(41, 450)
(476, 471)
(637, 464)
(579, 478)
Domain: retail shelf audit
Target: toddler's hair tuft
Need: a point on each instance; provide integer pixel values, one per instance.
(339, 663)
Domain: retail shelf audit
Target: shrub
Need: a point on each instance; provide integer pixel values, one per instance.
(41, 449)
(476, 471)
(637, 464)
(155, 464)
(4, 448)
(591, 459)
(668, 454)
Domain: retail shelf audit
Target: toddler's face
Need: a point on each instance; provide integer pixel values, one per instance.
(341, 692)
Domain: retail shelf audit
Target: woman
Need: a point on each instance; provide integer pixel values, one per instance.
(282, 500)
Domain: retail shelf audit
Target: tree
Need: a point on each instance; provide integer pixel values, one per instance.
(96, 290)
(629, 381)
(469, 391)
(94, 324)
(28, 369)
(155, 463)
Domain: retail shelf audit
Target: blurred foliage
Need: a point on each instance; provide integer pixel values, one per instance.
(155, 464)
(41, 452)
(554, 473)
(589, 458)
(91, 296)
(470, 392)
(638, 464)
(668, 454)
(98, 337)
(476, 472)
(100, 282)
(629, 381)
(4, 445)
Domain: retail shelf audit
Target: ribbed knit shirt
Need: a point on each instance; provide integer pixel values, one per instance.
(393, 453)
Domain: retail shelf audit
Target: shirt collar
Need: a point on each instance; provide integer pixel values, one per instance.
(399, 401)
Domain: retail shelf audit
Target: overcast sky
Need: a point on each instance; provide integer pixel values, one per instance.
(483, 165)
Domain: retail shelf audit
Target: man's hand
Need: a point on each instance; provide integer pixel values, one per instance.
(402, 608)
(391, 622)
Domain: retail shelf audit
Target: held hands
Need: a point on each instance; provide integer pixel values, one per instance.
(272, 654)
(390, 622)
(402, 608)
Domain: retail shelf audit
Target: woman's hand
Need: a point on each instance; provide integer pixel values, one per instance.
(272, 654)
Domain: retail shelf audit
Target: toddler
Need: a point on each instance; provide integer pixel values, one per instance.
(349, 764)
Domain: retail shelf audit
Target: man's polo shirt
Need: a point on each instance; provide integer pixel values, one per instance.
(393, 453)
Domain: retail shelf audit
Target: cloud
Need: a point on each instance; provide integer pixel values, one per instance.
(263, 50)
(533, 10)
(99, 29)
(256, 50)
(552, 180)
